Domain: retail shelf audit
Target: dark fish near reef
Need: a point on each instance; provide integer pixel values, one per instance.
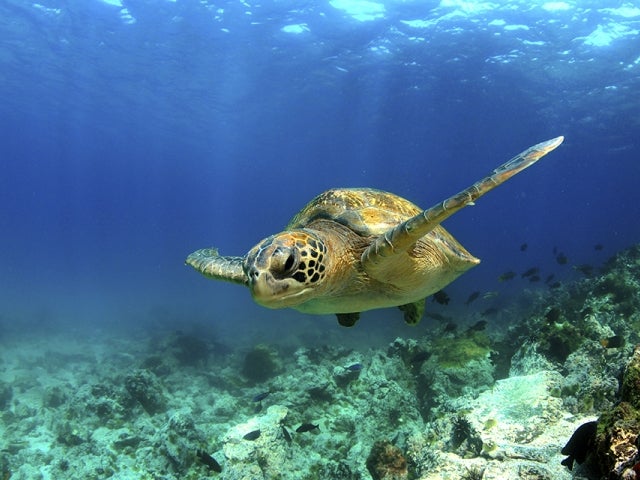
(209, 461)
(441, 297)
(555, 285)
(489, 311)
(260, 397)
(286, 434)
(534, 278)
(553, 315)
(437, 316)
(450, 327)
(472, 297)
(252, 435)
(523, 247)
(419, 358)
(597, 247)
(507, 276)
(478, 326)
(307, 427)
(585, 269)
(580, 444)
(532, 271)
(562, 259)
(616, 341)
(356, 367)
(549, 278)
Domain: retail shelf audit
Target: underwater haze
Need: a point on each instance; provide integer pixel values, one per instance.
(137, 131)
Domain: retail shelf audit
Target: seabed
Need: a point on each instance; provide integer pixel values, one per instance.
(471, 402)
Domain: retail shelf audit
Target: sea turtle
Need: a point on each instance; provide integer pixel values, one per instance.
(356, 249)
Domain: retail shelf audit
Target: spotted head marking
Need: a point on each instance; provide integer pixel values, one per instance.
(284, 270)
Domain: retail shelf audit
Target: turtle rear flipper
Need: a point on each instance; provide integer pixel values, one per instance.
(402, 237)
(413, 312)
(348, 319)
(210, 264)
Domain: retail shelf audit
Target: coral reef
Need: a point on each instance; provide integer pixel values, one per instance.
(386, 462)
(261, 455)
(6, 392)
(261, 363)
(144, 387)
(618, 431)
(487, 401)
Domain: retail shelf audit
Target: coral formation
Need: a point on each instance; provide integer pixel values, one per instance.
(6, 393)
(144, 387)
(462, 349)
(261, 363)
(261, 457)
(618, 431)
(386, 462)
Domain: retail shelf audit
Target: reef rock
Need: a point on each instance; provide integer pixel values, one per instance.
(386, 462)
(258, 448)
(619, 429)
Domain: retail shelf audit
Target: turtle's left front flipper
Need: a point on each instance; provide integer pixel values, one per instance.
(402, 237)
(209, 263)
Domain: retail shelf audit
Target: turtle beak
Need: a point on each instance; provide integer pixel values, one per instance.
(272, 292)
(265, 289)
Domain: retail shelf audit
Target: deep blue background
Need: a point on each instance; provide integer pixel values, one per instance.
(135, 134)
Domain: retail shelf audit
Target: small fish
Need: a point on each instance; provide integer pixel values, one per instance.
(585, 269)
(260, 397)
(598, 247)
(580, 444)
(254, 435)
(534, 278)
(507, 276)
(478, 326)
(555, 285)
(437, 316)
(532, 271)
(549, 278)
(561, 258)
(450, 327)
(489, 311)
(307, 427)
(615, 341)
(553, 315)
(490, 295)
(523, 247)
(286, 434)
(441, 297)
(356, 367)
(472, 297)
(208, 460)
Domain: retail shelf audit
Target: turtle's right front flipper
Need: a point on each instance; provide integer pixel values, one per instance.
(209, 263)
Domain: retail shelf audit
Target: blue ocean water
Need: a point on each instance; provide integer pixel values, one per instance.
(134, 132)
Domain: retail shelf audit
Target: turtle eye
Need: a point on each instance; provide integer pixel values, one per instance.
(283, 263)
(288, 264)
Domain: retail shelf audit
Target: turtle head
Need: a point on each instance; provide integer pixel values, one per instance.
(284, 270)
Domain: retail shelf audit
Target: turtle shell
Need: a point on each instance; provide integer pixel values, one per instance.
(366, 211)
